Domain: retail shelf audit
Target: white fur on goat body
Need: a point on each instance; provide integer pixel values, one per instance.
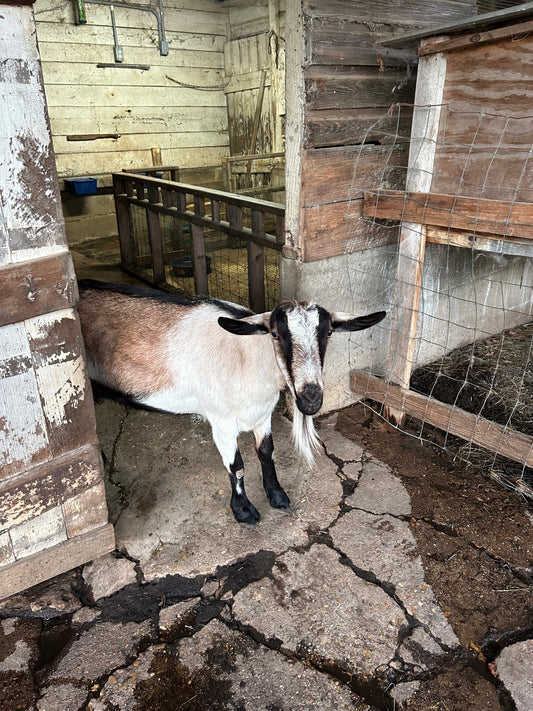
(236, 391)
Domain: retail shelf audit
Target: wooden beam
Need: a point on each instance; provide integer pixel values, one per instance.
(514, 246)
(53, 561)
(470, 427)
(495, 217)
(412, 245)
(29, 289)
(466, 41)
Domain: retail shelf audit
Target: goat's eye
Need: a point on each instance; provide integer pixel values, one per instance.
(330, 332)
(275, 335)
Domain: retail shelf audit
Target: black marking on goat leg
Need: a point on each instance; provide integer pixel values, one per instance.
(276, 495)
(243, 509)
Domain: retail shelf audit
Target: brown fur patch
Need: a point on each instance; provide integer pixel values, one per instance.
(126, 339)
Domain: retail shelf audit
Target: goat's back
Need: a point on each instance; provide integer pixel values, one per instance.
(140, 341)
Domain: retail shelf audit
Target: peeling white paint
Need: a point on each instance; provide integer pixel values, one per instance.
(22, 425)
(62, 378)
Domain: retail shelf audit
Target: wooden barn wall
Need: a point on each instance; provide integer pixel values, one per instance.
(255, 55)
(348, 83)
(177, 105)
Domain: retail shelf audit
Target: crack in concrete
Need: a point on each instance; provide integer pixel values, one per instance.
(112, 471)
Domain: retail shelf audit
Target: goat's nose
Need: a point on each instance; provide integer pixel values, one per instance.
(309, 399)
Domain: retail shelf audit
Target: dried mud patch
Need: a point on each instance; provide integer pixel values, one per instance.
(474, 539)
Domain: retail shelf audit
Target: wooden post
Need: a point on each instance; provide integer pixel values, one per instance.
(201, 285)
(256, 265)
(123, 224)
(154, 235)
(424, 133)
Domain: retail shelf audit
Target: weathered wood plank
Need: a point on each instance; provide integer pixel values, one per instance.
(326, 89)
(49, 485)
(23, 436)
(469, 426)
(469, 40)
(513, 219)
(87, 75)
(345, 127)
(492, 78)
(410, 13)
(345, 42)
(138, 119)
(138, 141)
(340, 228)
(412, 244)
(137, 95)
(338, 175)
(56, 346)
(29, 571)
(483, 243)
(105, 163)
(29, 289)
(85, 512)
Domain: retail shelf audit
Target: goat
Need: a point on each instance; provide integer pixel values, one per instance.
(190, 355)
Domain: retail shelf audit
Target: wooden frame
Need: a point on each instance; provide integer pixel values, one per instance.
(460, 220)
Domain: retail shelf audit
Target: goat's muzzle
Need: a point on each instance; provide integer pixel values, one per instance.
(309, 399)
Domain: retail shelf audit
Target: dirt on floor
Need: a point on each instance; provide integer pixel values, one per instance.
(472, 537)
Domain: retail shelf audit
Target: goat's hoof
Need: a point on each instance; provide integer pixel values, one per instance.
(248, 515)
(278, 499)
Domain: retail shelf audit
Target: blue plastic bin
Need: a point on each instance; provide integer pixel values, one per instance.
(81, 186)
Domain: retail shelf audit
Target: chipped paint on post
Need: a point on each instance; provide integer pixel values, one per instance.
(23, 437)
(40, 532)
(53, 513)
(29, 191)
(60, 374)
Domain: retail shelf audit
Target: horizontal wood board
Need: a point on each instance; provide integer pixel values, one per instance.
(468, 426)
(57, 559)
(514, 219)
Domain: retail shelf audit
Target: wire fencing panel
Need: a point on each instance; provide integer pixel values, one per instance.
(457, 279)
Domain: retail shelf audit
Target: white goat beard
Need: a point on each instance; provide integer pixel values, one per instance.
(306, 440)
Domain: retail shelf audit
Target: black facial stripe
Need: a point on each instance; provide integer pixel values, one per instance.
(278, 323)
(324, 325)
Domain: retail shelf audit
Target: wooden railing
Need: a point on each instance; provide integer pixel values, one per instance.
(241, 218)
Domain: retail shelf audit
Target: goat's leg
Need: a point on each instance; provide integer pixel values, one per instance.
(243, 509)
(277, 497)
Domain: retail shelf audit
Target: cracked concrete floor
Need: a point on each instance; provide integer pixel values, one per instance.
(399, 581)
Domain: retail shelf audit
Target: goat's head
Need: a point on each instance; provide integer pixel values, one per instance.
(300, 332)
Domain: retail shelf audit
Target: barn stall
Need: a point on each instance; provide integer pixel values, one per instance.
(191, 85)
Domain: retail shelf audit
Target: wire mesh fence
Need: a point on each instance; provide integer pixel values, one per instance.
(455, 272)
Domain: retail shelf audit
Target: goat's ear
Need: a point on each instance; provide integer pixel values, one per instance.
(258, 323)
(348, 322)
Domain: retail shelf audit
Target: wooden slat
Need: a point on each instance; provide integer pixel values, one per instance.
(48, 563)
(513, 219)
(154, 234)
(334, 90)
(201, 285)
(49, 485)
(467, 41)
(480, 242)
(29, 289)
(412, 244)
(256, 266)
(470, 427)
